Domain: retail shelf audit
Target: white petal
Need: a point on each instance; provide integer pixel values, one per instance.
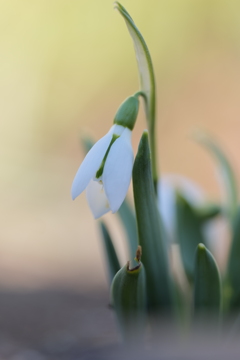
(97, 199)
(117, 171)
(90, 164)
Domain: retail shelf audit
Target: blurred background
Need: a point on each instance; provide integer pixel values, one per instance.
(65, 67)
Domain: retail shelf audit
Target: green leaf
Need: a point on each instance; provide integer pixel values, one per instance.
(207, 212)
(147, 82)
(150, 233)
(207, 284)
(189, 234)
(112, 261)
(233, 269)
(87, 143)
(129, 222)
(128, 296)
(226, 172)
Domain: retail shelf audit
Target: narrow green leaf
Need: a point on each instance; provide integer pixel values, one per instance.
(129, 222)
(147, 82)
(207, 284)
(226, 172)
(154, 257)
(87, 143)
(112, 261)
(189, 234)
(233, 269)
(207, 212)
(128, 296)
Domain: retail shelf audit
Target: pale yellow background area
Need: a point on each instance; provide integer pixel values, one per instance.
(65, 67)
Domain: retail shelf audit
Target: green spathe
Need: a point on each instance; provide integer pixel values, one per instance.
(127, 113)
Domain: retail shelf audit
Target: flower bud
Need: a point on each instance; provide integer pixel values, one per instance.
(127, 112)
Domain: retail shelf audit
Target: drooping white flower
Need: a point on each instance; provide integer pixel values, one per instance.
(106, 172)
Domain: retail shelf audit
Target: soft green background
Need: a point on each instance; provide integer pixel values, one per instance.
(65, 66)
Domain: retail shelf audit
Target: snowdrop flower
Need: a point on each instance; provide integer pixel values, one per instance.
(106, 171)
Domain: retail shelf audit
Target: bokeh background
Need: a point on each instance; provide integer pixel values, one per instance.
(65, 67)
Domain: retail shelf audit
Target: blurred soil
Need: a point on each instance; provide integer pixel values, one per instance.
(68, 325)
(54, 324)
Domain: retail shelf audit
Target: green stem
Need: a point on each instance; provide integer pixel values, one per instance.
(141, 93)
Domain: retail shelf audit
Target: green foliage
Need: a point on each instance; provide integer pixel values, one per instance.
(207, 212)
(226, 173)
(128, 220)
(207, 284)
(128, 296)
(189, 234)
(233, 271)
(111, 258)
(155, 257)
